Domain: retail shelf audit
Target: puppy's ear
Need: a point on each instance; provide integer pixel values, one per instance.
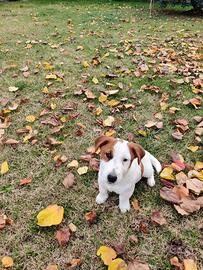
(102, 140)
(136, 151)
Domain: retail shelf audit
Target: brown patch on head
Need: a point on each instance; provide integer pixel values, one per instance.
(105, 144)
(136, 151)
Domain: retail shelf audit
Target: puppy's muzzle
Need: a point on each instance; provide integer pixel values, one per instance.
(112, 178)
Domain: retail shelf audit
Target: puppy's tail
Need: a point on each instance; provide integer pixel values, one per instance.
(156, 164)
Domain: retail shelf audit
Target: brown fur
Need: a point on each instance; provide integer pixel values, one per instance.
(106, 145)
(136, 151)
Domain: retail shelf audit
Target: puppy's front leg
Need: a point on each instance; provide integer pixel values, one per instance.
(103, 195)
(124, 201)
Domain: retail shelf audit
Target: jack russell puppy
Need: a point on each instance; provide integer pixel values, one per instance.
(122, 165)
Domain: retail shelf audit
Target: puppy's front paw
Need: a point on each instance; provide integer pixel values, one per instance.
(101, 198)
(151, 181)
(124, 207)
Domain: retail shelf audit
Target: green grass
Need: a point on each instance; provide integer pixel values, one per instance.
(100, 27)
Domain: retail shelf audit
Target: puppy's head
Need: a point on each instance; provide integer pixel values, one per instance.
(116, 157)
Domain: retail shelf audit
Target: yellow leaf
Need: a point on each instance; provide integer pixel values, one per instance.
(74, 163)
(7, 261)
(45, 90)
(107, 254)
(85, 64)
(4, 167)
(163, 105)
(95, 80)
(30, 118)
(142, 132)
(82, 170)
(117, 264)
(193, 148)
(52, 215)
(198, 165)
(193, 173)
(51, 76)
(102, 98)
(12, 89)
(108, 121)
(167, 173)
(110, 132)
(189, 264)
(53, 106)
(113, 102)
(47, 65)
(98, 111)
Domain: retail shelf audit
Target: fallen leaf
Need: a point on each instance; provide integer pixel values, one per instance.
(167, 173)
(117, 264)
(189, 264)
(136, 265)
(177, 135)
(180, 210)
(7, 262)
(53, 141)
(69, 180)
(102, 98)
(198, 165)
(89, 94)
(52, 215)
(52, 267)
(113, 103)
(85, 64)
(108, 122)
(135, 204)
(181, 178)
(12, 89)
(82, 170)
(74, 163)
(95, 80)
(90, 217)
(174, 261)
(25, 181)
(73, 263)
(142, 132)
(170, 195)
(11, 142)
(110, 132)
(158, 218)
(195, 185)
(4, 167)
(133, 238)
(107, 254)
(193, 148)
(98, 111)
(72, 227)
(63, 236)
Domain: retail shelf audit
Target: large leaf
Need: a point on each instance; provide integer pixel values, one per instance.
(107, 254)
(52, 215)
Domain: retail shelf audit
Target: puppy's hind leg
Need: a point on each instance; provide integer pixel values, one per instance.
(151, 181)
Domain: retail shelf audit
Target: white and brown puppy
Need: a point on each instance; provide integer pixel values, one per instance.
(122, 165)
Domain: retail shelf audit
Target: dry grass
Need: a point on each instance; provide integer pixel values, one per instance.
(95, 26)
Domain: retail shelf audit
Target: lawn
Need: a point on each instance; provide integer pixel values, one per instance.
(97, 46)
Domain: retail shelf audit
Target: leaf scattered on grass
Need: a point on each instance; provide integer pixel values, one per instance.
(52, 215)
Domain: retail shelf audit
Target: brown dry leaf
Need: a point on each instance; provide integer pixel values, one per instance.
(73, 263)
(53, 141)
(69, 180)
(135, 204)
(189, 264)
(63, 236)
(89, 94)
(25, 181)
(180, 210)
(177, 135)
(143, 227)
(190, 205)
(133, 238)
(175, 262)
(181, 178)
(196, 102)
(4, 220)
(137, 265)
(11, 142)
(91, 217)
(195, 185)
(52, 267)
(171, 195)
(158, 218)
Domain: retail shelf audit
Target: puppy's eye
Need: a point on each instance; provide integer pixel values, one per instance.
(109, 156)
(125, 159)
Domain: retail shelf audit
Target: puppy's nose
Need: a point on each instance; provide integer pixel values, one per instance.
(112, 178)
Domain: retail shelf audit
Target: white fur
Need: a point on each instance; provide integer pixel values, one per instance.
(126, 177)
